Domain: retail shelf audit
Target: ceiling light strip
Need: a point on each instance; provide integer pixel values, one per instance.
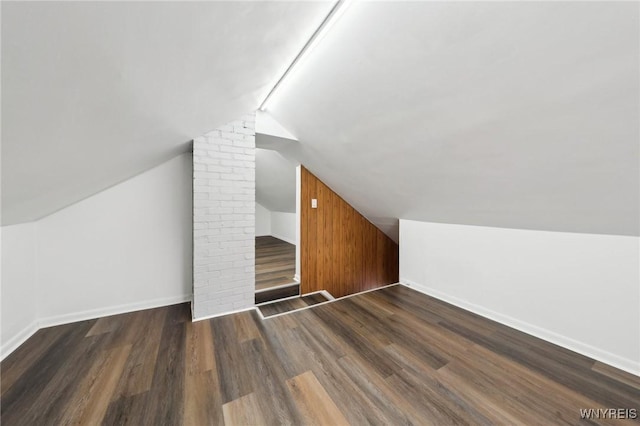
(336, 11)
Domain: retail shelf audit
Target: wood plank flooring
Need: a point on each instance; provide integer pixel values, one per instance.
(388, 357)
(288, 305)
(275, 262)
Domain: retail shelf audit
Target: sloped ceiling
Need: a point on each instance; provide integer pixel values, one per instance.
(275, 181)
(96, 92)
(508, 114)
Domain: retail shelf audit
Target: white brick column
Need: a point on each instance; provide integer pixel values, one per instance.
(224, 219)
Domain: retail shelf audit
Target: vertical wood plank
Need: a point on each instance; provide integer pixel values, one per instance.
(334, 250)
(311, 225)
(331, 256)
(341, 251)
(320, 234)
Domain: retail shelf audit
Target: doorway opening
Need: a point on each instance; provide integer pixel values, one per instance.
(277, 222)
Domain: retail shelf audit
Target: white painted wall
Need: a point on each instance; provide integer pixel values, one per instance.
(263, 221)
(123, 249)
(267, 125)
(283, 226)
(275, 181)
(19, 276)
(580, 291)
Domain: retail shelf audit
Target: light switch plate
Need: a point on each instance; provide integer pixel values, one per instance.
(314, 203)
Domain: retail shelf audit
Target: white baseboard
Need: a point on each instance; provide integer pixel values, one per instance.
(111, 310)
(13, 343)
(598, 354)
(221, 314)
(288, 240)
(328, 295)
(51, 321)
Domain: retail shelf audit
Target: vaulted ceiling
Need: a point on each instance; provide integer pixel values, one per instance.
(96, 92)
(508, 114)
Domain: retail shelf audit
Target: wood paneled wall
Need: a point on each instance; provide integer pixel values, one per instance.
(340, 250)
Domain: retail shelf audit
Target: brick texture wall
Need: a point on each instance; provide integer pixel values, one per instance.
(224, 219)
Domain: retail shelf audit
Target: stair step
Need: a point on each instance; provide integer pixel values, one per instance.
(279, 292)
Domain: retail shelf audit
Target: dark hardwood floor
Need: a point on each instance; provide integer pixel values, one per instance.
(288, 305)
(275, 262)
(389, 357)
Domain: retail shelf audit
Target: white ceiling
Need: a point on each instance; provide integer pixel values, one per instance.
(275, 181)
(96, 92)
(508, 114)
